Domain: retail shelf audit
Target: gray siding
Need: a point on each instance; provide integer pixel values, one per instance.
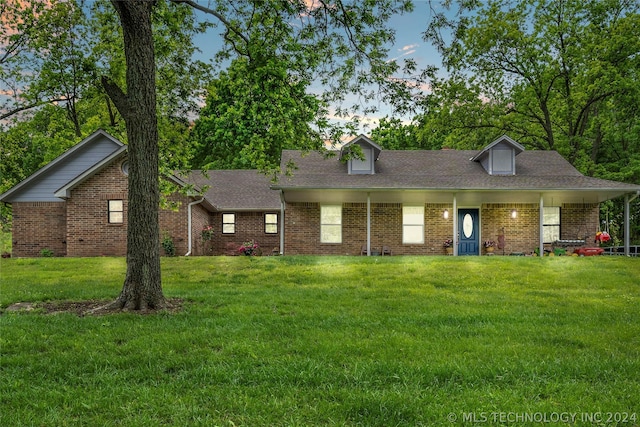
(68, 166)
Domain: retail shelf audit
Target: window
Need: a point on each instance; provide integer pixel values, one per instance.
(271, 223)
(551, 224)
(412, 224)
(331, 224)
(228, 223)
(116, 211)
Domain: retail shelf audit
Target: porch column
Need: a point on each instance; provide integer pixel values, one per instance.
(541, 227)
(627, 229)
(368, 224)
(455, 225)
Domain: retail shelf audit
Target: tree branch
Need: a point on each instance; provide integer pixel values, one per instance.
(119, 98)
(218, 15)
(30, 106)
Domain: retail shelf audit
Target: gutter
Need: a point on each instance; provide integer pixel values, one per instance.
(189, 238)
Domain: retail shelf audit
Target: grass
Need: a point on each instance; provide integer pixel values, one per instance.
(275, 341)
(5, 242)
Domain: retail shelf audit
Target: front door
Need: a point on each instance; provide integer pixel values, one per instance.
(468, 232)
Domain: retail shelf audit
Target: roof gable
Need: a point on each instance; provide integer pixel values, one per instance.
(42, 185)
(499, 157)
(367, 154)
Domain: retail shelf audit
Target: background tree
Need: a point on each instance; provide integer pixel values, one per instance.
(282, 52)
(543, 71)
(253, 111)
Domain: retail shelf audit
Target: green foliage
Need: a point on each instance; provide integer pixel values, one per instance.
(401, 341)
(551, 74)
(254, 111)
(168, 245)
(46, 253)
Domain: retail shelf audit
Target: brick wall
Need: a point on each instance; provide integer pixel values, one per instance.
(89, 232)
(199, 219)
(38, 226)
(521, 234)
(302, 235)
(249, 226)
(174, 223)
(579, 221)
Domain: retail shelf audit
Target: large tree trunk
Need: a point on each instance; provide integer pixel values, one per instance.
(142, 286)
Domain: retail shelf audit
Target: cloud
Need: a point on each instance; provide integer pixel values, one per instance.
(409, 47)
(405, 51)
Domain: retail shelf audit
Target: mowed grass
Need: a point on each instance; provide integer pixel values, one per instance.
(295, 341)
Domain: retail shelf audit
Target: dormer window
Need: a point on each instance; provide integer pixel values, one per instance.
(499, 157)
(361, 161)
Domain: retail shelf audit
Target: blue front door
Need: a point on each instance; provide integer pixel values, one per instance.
(468, 232)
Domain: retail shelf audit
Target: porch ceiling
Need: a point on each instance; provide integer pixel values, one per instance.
(464, 197)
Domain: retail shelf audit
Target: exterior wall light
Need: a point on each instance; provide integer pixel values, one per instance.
(514, 214)
(446, 214)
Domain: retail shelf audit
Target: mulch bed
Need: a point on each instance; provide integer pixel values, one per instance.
(83, 308)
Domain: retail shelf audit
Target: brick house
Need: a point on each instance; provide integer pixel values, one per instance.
(77, 206)
(360, 201)
(409, 202)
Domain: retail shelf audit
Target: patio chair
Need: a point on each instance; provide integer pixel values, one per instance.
(386, 251)
(363, 250)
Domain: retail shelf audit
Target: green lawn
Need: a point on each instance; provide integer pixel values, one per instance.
(296, 341)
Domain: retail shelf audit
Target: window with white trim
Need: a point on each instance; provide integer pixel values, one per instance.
(228, 223)
(331, 224)
(412, 224)
(115, 211)
(271, 223)
(550, 224)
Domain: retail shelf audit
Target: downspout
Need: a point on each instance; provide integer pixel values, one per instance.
(369, 225)
(282, 208)
(627, 229)
(541, 227)
(189, 233)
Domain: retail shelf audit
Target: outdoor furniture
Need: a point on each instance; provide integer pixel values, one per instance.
(386, 251)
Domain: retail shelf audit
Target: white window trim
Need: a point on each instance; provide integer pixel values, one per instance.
(322, 225)
(112, 211)
(421, 225)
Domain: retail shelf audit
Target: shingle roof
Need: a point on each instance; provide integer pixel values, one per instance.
(236, 190)
(440, 170)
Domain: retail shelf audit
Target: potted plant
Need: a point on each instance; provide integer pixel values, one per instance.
(489, 246)
(448, 246)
